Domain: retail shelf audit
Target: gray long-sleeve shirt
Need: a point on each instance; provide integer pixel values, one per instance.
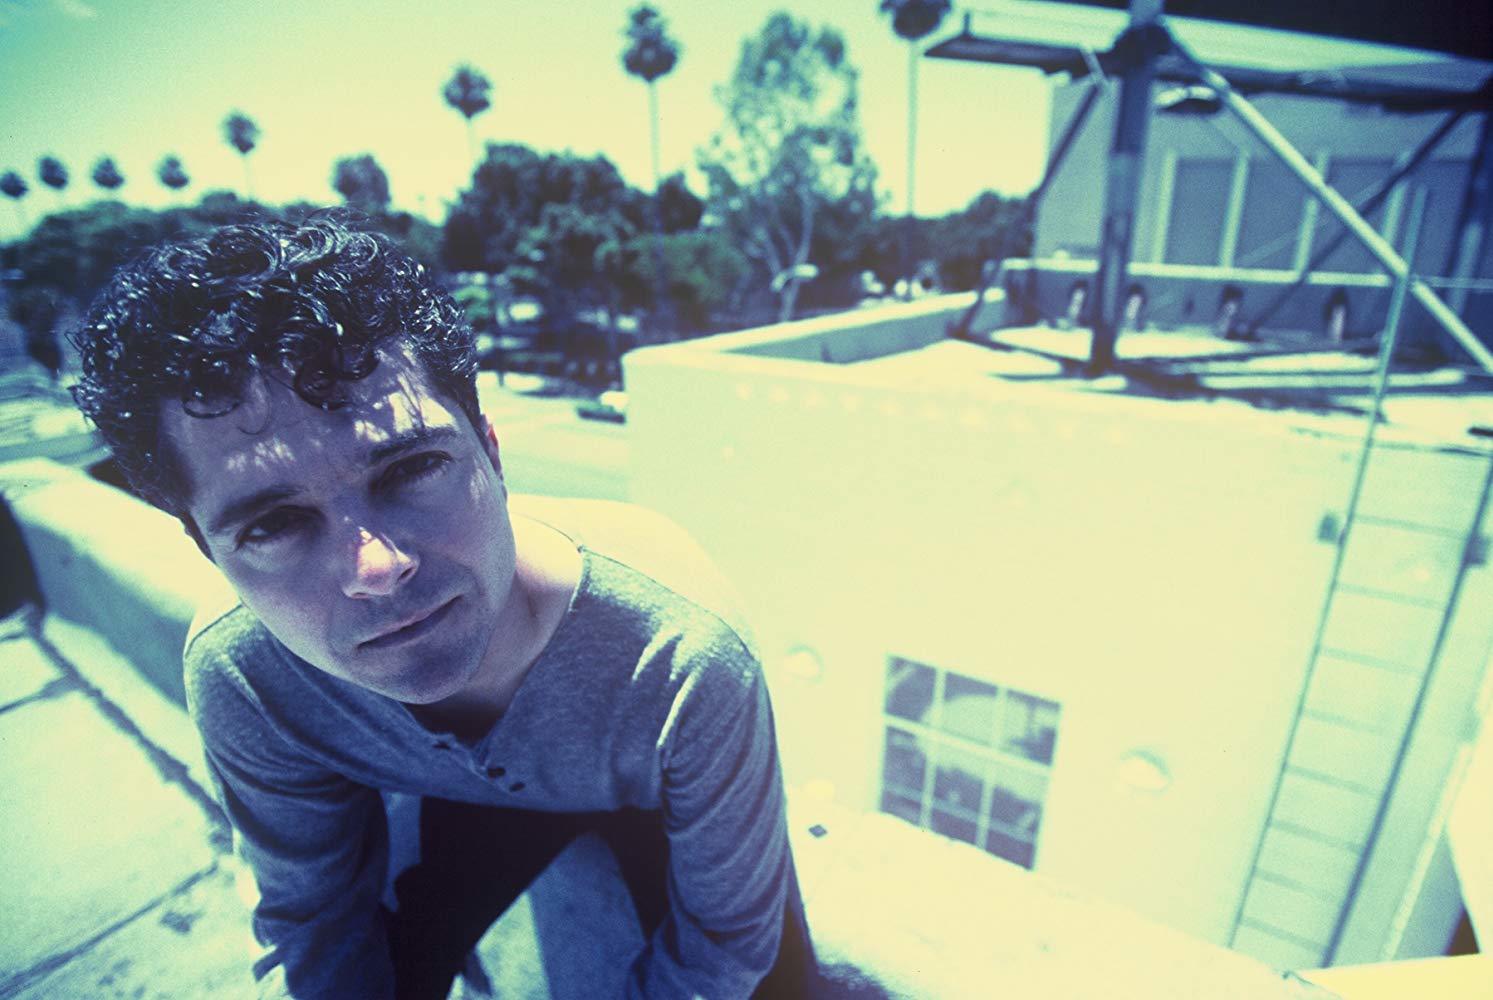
(642, 698)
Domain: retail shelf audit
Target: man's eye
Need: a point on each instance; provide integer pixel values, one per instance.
(413, 469)
(275, 525)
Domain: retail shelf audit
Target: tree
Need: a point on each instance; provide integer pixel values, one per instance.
(240, 132)
(172, 174)
(52, 173)
(106, 174)
(678, 207)
(988, 230)
(14, 187)
(510, 189)
(362, 183)
(912, 20)
(707, 276)
(789, 151)
(469, 92)
(650, 55)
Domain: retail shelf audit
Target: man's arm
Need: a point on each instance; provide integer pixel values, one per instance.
(730, 864)
(316, 843)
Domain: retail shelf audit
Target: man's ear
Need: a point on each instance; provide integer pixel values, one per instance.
(490, 445)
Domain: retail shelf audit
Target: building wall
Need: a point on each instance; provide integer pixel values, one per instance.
(1153, 568)
(1190, 175)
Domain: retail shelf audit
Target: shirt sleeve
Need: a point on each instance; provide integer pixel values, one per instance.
(315, 842)
(730, 866)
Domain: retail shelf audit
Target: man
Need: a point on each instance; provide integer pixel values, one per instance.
(304, 400)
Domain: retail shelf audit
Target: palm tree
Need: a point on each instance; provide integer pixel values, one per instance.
(912, 20)
(651, 55)
(52, 173)
(106, 174)
(13, 186)
(468, 91)
(172, 174)
(242, 134)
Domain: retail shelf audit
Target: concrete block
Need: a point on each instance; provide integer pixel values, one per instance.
(24, 671)
(927, 917)
(92, 836)
(161, 720)
(193, 943)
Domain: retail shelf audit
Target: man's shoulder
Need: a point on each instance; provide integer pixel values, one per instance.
(224, 641)
(644, 542)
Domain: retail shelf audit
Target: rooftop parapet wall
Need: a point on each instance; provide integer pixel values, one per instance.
(895, 912)
(1152, 566)
(109, 562)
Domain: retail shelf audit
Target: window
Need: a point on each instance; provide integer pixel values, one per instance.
(967, 758)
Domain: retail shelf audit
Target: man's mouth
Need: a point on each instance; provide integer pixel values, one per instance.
(409, 629)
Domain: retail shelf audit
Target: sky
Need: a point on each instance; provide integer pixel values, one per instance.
(139, 79)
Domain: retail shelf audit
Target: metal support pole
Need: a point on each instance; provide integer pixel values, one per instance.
(1474, 216)
(1140, 44)
(1339, 206)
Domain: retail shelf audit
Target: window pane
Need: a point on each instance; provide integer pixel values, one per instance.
(1274, 201)
(1200, 197)
(909, 689)
(968, 709)
(1016, 803)
(951, 825)
(959, 781)
(905, 763)
(1029, 726)
(902, 806)
(1017, 851)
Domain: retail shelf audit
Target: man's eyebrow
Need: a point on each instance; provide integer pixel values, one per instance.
(244, 508)
(410, 440)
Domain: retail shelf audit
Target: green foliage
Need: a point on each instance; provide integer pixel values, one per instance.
(707, 276)
(13, 185)
(240, 132)
(468, 91)
(678, 207)
(172, 174)
(106, 174)
(68, 257)
(362, 183)
(914, 19)
(510, 191)
(788, 158)
(562, 264)
(990, 228)
(651, 52)
(51, 172)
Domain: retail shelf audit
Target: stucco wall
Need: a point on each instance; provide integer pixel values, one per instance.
(1153, 567)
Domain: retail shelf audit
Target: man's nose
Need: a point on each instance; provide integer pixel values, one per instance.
(378, 565)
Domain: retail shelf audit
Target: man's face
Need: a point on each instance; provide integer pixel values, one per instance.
(373, 540)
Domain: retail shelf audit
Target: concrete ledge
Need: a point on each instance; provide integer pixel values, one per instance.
(110, 563)
(894, 911)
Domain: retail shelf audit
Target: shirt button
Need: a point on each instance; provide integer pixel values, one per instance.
(517, 786)
(495, 772)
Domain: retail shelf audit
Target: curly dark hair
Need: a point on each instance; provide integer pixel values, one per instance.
(308, 305)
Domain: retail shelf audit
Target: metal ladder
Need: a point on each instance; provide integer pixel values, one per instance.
(1372, 662)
